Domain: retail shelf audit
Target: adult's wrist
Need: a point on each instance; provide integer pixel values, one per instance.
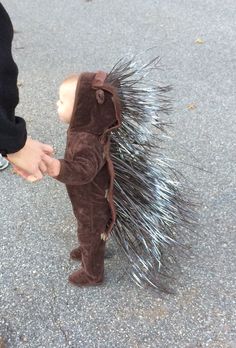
(13, 136)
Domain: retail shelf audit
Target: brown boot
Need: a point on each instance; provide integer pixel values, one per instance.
(81, 278)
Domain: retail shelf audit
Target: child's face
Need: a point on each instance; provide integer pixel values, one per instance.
(66, 101)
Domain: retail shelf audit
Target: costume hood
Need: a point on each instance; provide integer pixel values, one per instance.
(97, 111)
(96, 108)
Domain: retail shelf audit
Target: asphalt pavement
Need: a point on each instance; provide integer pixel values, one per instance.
(197, 43)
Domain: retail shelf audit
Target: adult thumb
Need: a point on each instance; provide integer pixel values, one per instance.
(48, 149)
(47, 159)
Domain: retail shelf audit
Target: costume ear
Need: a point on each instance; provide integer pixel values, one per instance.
(100, 96)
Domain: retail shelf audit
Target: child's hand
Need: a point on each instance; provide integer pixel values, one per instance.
(53, 165)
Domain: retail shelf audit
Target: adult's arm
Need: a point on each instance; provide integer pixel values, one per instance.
(12, 129)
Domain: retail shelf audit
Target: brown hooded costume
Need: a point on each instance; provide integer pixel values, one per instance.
(152, 206)
(88, 173)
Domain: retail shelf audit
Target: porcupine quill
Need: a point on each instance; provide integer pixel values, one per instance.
(152, 208)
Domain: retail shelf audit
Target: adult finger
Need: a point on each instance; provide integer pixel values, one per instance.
(38, 175)
(47, 160)
(42, 167)
(20, 171)
(24, 174)
(31, 178)
(48, 149)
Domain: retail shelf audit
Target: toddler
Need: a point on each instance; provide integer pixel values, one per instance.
(151, 201)
(90, 107)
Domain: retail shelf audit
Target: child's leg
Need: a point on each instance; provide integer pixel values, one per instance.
(92, 270)
(92, 249)
(76, 254)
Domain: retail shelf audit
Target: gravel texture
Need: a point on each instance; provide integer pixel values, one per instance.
(38, 308)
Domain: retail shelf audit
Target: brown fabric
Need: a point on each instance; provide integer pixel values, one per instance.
(88, 173)
(76, 254)
(99, 82)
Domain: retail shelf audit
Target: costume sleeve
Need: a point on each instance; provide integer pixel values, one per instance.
(12, 129)
(85, 161)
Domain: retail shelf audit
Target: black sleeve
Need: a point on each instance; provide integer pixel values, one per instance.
(12, 129)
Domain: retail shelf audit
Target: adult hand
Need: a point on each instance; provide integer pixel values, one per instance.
(23, 174)
(28, 161)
